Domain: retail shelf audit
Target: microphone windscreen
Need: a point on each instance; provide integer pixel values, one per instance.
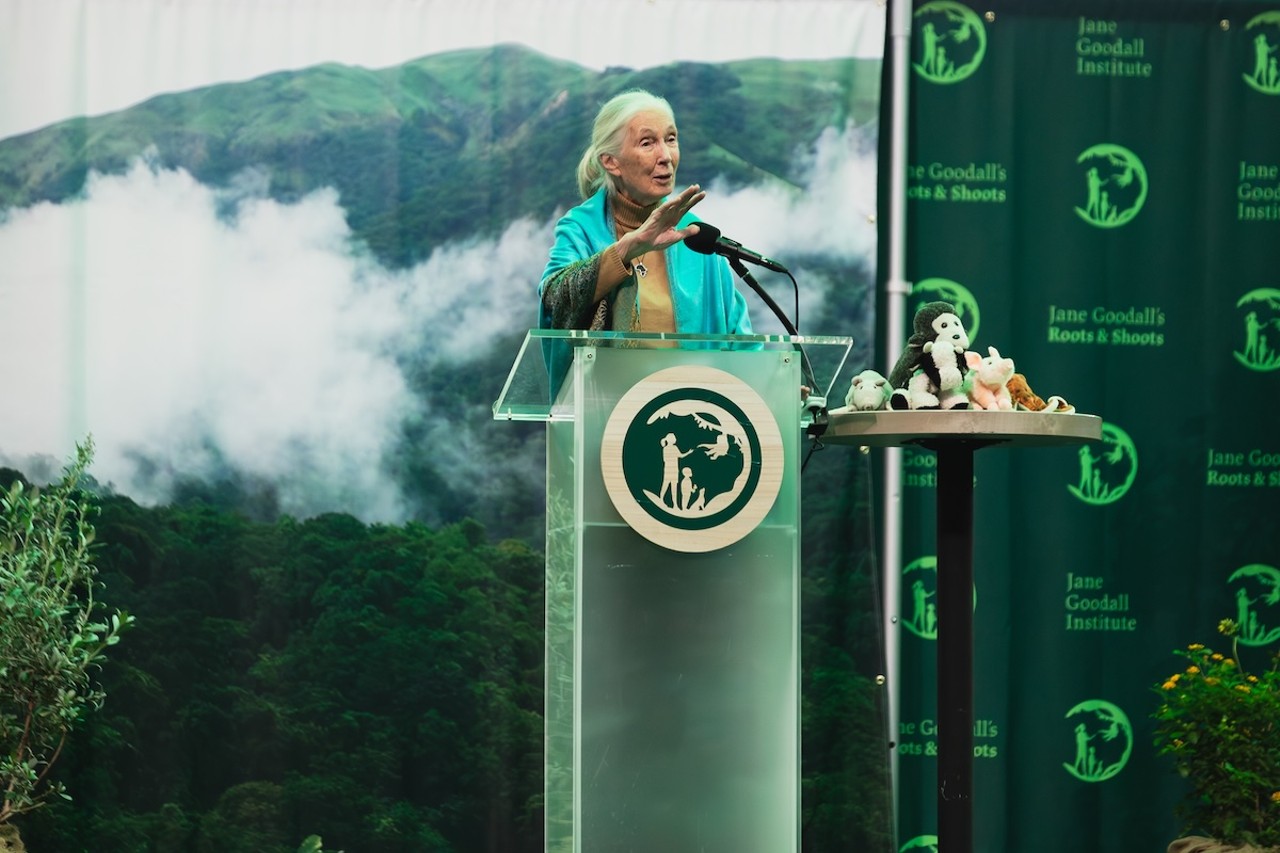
(705, 240)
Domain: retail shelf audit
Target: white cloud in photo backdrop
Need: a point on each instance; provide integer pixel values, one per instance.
(831, 216)
(195, 331)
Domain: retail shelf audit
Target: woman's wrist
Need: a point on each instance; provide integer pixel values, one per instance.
(627, 250)
(614, 270)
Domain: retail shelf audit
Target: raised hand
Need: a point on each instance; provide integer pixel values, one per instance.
(659, 231)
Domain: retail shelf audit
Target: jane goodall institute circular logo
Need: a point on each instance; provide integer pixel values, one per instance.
(1103, 738)
(1116, 185)
(950, 42)
(1261, 348)
(692, 458)
(1263, 67)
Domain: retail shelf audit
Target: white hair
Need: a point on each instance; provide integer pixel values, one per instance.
(609, 131)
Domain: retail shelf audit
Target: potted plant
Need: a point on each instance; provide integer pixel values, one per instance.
(1220, 723)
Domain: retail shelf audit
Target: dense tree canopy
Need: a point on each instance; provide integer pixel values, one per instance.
(380, 686)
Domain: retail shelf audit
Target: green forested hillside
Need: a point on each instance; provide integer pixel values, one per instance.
(379, 686)
(449, 145)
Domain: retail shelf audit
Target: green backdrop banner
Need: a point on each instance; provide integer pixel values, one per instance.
(1096, 186)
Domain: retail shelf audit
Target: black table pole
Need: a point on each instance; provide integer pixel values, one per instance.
(955, 644)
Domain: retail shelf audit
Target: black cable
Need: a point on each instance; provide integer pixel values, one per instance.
(787, 324)
(815, 444)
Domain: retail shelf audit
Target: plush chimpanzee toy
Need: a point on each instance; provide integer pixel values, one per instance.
(930, 372)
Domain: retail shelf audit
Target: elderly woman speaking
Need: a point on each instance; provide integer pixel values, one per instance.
(618, 262)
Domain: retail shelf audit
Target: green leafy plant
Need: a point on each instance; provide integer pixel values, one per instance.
(52, 632)
(1221, 725)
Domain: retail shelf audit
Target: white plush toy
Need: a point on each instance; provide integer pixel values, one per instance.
(868, 392)
(989, 380)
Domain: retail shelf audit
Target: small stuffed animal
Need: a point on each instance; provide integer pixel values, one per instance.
(1021, 395)
(930, 372)
(1024, 399)
(868, 392)
(988, 377)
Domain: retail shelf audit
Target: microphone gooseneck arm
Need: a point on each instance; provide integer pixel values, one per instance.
(708, 240)
(741, 269)
(819, 424)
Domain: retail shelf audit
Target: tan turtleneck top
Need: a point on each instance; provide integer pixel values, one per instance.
(656, 311)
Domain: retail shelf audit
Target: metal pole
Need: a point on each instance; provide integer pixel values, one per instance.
(897, 289)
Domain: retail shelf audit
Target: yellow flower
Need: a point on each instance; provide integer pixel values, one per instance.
(1228, 627)
(1228, 662)
(1216, 656)
(1169, 685)
(1275, 797)
(1195, 647)
(1212, 681)
(1193, 669)
(1243, 688)
(1251, 678)
(1174, 678)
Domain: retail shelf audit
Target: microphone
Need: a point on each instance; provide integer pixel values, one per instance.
(709, 241)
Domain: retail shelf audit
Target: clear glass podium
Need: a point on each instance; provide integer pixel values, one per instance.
(672, 664)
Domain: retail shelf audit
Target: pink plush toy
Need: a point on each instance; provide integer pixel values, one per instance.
(989, 379)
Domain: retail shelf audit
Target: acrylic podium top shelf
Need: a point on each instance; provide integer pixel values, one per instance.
(527, 393)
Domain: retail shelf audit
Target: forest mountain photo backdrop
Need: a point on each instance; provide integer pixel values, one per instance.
(339, 258)
(283, 307)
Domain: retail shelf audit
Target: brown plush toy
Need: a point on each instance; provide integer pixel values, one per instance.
(1026, 400)
(1023, 396)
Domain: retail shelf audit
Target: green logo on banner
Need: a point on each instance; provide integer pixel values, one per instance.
(921, 842)
(920, 582)
(946, 290)
(1103, 741)
(1257, 592)
(1261, 330)
(920, 589)
(1106, 474)
(952, 41)
(1116, 185)
(1264, 39)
